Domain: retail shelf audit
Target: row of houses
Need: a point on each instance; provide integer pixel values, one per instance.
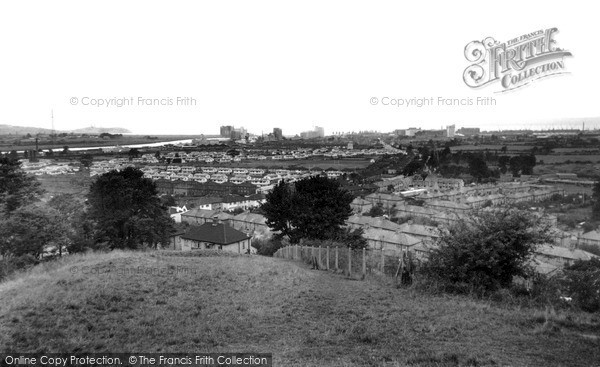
(465, 201)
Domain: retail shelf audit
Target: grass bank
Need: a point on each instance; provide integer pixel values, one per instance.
(165, 302)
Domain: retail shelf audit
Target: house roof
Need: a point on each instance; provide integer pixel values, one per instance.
(233, 199)
(217, 233)
(563, 252)
(396, 238)
(420, 230)
(200, 213)
(250, 217)
(592, 235)
(373, 222)
(257, 197)
(359, 201)
(208, 200)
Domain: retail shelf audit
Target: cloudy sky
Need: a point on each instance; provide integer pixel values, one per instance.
(293, 65)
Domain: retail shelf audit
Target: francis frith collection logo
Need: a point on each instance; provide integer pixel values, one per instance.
(514, 63)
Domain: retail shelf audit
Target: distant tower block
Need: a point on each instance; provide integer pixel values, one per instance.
(450, 131)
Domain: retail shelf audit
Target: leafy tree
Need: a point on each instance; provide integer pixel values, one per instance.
(376, 210)
(313, 208)
(522, 164)
(478, 168)
(487, 252)
(278, 209)
(581, 281)
(86, 160)
(133, 153)
(16, 188)
(127, 210)
(65, 150)
(29, 230)
(78, 227)
(352, 238)
(168, 200)
(596, 198)
(503, 162)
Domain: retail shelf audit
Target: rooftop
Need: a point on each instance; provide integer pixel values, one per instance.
(217, 233)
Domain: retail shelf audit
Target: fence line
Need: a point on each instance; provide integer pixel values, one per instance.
(358, 263)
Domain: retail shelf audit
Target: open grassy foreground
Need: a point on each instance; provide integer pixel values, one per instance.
(166, 302)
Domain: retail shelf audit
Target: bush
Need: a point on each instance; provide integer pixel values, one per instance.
(267, 247)
(581, 282)
(485, 253)
(11, 265)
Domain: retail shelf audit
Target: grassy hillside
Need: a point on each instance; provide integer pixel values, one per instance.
(166, 302)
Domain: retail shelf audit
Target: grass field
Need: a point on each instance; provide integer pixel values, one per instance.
(166, 302)
(564, 158)
(319, 163)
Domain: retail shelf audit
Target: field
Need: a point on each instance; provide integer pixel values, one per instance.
(493, 147)
(167, 302)
(311, 163)
(564, 158)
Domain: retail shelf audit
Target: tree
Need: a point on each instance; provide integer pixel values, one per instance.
(581, 281)
(313, 208)
(86, 160)
(29, 230)
(168, 200)
(16, 188)
(478, 168)
(127, 210)
(78, 227)
(376, 210)
(596, 198)
(503, 162)
(486, 252)
(133, 153)
(278, 209)
(65, 150)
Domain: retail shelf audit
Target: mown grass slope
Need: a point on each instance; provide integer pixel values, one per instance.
(165, 302)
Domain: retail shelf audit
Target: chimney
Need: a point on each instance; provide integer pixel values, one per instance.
(216, 220)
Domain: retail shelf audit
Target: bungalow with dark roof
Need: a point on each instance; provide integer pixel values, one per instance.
(217, 235)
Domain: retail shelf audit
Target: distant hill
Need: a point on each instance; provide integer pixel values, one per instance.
(24, 130)
(100, 130)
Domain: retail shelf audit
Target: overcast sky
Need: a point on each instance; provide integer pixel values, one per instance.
(293, 65)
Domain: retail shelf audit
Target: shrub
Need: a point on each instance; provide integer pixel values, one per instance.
(267, 247)
(486, 252)
(581, 282)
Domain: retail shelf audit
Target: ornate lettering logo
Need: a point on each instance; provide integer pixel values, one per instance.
(514, 63)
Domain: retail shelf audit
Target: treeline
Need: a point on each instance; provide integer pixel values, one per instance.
(122, 210)
(480, 165)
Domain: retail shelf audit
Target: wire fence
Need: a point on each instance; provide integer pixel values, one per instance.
(354, 263)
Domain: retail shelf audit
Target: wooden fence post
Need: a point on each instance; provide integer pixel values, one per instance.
(349, 261)
(327, 258)
(401, 264)
(336, 259)
(319, 258)
(382, 262)
(364, 264)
